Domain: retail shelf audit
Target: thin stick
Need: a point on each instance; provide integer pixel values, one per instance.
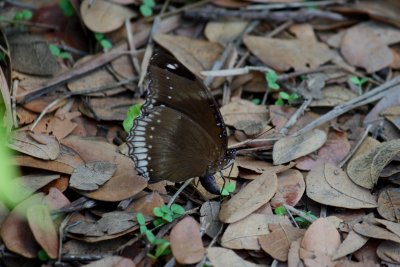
(299, 213)
(295, 116)
(172, 200)
(131, 44)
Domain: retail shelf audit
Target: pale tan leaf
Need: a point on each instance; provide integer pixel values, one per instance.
(224, 32)
(222, 257)
(375, 231)
(352, 243)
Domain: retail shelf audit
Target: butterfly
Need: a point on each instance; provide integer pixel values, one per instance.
(180, 132)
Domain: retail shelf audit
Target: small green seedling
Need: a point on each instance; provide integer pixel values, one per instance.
(303, 223)
(271, 77)
(55, 51)
(131, 115)
(42, 255)
(290, 98)
(228, 189)
(166, 214)
(256, 101)
(2, 55)
(161, 244)
(280, 210)
(67, 8)
(357, 81)
(146, 8)
(23, 15)
(103, 41)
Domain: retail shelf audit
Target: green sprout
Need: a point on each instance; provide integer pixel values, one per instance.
(67, 8)
(23, 15)
(56, 51)
(103, 41)
(42, 255)
(2, 55)
(271, 77)
(290, 98)
(146, 8)
(132, 114)
(167, 214)
(303, 223)
(161, 244)
(256, 101)
(280, 210)
(357, 81)
(228, 189)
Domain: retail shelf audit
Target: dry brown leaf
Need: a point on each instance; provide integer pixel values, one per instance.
(361, 47)
(374, 231)
(292, 147)
(333, 95)
(249, 198)
(124, 184)
(222, 257)
(209, 218)
(37, 145)
(329, 185)
(104, 16)
(259, 166)
(391, 226)
(244, 234)
(319, 243)
(186, 244)
(114, 261)
(196, 55)
(277, 243)
(389, 204)
(353, 242)
(284, 54)
(224, 32)
(291, 187)
(365, 169)
(244, 110)
(333, 151)
(389, 251)
(91, 175)
(146, 204)
(293, 255)
(303, 31)
(43, 229)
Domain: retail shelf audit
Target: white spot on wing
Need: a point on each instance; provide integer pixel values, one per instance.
(172, 66)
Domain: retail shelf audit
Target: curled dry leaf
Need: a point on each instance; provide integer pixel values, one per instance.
(43, 229)
(389, 251)
(292, 147)
(291, 187)
(374, 231)
(391, 226)
(353, 242)
(146, 204)
(186, 244)
(284, 54)
(221, 257)
(91, 175)
(389, 204)
(244, 234)
(104, 16)
(333, 151)
(329, 185)
(364, 170)
(277, 243)
(249, 198)
(319, 243)
(35, 144)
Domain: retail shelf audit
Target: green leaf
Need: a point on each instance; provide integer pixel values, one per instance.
(106, 44)
(149, 3)
(64, 55)
(272, 78)
(143, 229)
(284, 95)
(231, 186)
(177, 209)
(158, 212)
(140, 218)
(302, 222)
(27, 14)
(224, 192)
(158, 222)
(160, 241)
(132, 113)
(279, 102)
(280, 210)
(151, 256)
(146, 11)
(167, 217)
(18, 16)
(42, 255)
(99, 36)
(150, 236)
(363, 80)
(355, 80)
(2, 55)
(166, 209)
(66, 7)
(256, 101)
(161, 250)
(54, 50)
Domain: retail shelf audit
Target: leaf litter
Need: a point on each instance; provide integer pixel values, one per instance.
(300, 158)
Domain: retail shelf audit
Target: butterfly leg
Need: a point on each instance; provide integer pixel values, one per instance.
(209, 183)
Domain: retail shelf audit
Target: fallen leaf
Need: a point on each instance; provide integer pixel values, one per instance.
(243, 110)
(244, 234)
(277, 243)
(291, 187)
(374, 231)
(293, 254)
(285, 54)
(36, 145)
(146, 204)
(43, 229)
(220, 257)
(91, 175)
(186, 244)
(224, 32)
(389, 251)
(292, 147)
(365, 169)
(332, 96)
(250, 198)
(209, 218)
(389, 204)
(353, 242)
(319, 243)
(114, 261)
(329, 185)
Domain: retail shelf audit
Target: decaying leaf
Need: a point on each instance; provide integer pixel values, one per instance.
(389, 204)
(352, 243)
(291, 187)
(365, 169)
(226, 257)
(91, 175)
(209, 218)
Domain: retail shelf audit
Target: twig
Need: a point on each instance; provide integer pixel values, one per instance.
(213, 241)
(296, 5)
(369, 97)
(295, 116)
(355, 148)
(131, 44)
(253, 141)
(172, 200)
(30, 23)
(299, 213)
